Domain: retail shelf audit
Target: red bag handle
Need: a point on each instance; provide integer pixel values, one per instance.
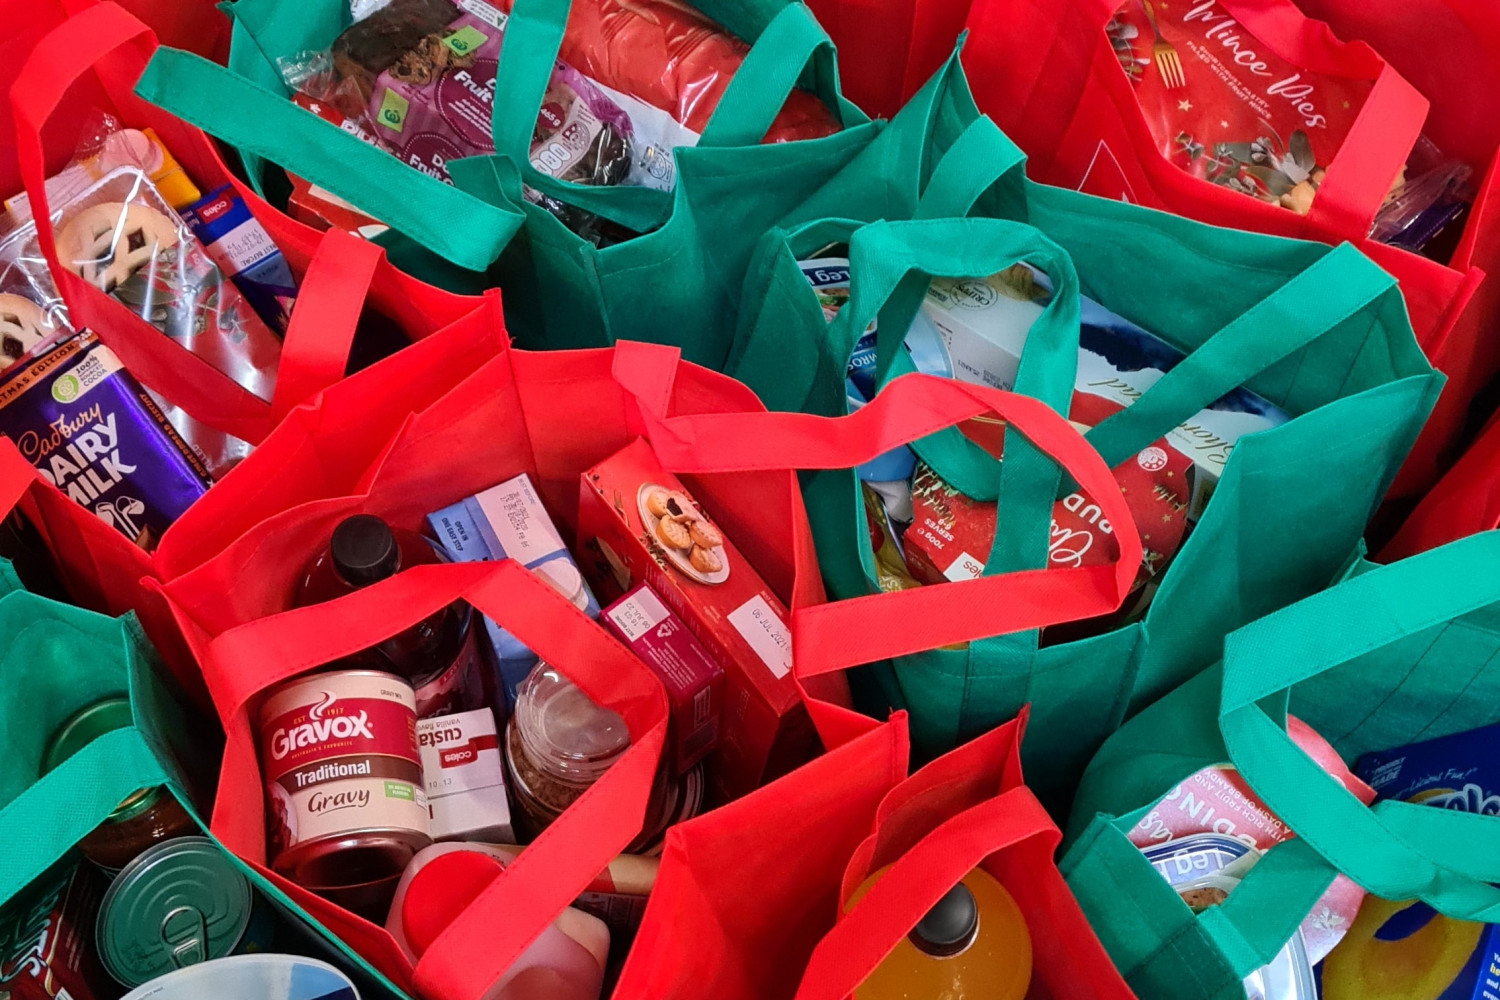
(469, 956)
(189, 381)
(833, 636)
(324, 319)
(895, 904)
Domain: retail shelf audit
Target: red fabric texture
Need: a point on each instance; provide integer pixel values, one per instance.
(671, 56)
(766, 913)
(463, 413)
(889, 48)
(59, 72)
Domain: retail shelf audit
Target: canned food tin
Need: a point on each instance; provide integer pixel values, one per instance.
(343, 779)
(180, 903)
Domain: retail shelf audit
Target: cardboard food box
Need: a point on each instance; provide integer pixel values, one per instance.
(465, 777)
(508, 521)
(694, 681)
(637, 524)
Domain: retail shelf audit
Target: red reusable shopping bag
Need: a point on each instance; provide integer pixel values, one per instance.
(95, 564)
(761, 881)
(1464, 502)
(553, 415)
(1050, 77)
(889, 48)
(495, 928)
(104, 49)
(88, 63)
(196, 25)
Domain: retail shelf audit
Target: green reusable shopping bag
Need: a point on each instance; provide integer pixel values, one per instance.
(453, 236)
(1318, 331)
(57, 659)
(1389, 656)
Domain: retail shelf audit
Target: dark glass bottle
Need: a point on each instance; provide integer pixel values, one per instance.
(439, 655)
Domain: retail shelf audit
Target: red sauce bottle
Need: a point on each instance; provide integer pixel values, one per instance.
(439, 656)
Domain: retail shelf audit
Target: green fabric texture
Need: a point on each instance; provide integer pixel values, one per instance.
(1320, 332)
(58, 659)
(1389, 656)
(463, 237)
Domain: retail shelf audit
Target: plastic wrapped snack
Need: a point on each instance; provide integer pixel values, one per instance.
(121, 236)
(32, 317)
(1425, 212)
(420, 76)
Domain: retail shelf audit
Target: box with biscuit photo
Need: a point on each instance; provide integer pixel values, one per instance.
(637, 524)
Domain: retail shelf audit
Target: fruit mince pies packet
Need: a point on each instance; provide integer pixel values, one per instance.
(1229, 109)
(121, 236)
(93, 432)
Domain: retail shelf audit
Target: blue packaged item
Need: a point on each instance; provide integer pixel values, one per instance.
(509, 522)
(1396, 949)
(242, 249)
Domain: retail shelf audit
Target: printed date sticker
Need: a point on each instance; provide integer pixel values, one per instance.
(766, 633)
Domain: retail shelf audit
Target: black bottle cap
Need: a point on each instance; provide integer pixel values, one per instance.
(364, 550)
(950, 926)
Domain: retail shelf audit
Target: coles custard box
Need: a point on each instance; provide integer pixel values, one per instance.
(637, 524)
(1401, 949)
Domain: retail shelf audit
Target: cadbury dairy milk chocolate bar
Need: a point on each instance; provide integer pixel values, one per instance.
(94, 433)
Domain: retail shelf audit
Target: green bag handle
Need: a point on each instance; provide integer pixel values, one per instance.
(455, 225)
(1153, 937)
(769, 73)
(980, 158)
(63, 806)
(75, 798)
(1398, 850)
(1315, 301)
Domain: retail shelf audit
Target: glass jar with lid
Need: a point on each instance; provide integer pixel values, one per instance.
(145, 818)
(558, 743)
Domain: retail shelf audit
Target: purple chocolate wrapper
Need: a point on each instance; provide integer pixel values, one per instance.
(95, 433)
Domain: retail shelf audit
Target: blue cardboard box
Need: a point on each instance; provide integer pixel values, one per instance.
(509, 522)
(1410, 954)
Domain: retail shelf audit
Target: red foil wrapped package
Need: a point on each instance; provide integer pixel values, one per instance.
(668, 54)
(47, 939)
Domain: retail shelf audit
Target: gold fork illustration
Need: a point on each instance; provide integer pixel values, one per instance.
(1167, 62)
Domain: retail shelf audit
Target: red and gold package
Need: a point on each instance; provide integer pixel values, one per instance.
(951, 534)
(1218, 800)
(1225, 105)
(638, 524)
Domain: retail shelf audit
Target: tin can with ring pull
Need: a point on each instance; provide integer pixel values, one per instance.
(180, 903)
